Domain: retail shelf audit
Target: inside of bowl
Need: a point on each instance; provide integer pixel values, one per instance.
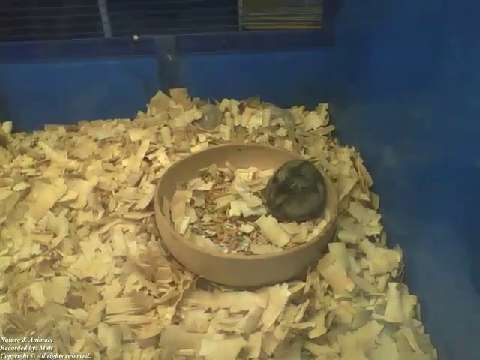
(236, 155)
(166, 209)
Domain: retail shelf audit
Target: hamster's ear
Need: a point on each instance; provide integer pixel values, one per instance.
(280, 176)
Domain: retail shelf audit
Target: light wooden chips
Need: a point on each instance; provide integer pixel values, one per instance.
(82, 264)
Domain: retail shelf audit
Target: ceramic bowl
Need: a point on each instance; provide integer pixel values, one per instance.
(235, 269)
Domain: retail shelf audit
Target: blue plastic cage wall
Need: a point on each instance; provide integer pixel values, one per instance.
(402, 80)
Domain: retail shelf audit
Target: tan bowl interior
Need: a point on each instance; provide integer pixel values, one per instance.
(234, 269)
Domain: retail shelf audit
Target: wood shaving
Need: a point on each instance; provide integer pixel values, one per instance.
(218, 347)
(82, 263)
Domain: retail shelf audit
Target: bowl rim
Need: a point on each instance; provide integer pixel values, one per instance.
(332, 203)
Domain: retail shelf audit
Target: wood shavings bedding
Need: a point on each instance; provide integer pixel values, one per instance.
(82, 263)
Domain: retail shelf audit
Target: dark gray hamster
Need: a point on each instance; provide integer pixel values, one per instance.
(296, 192)
(211, 118)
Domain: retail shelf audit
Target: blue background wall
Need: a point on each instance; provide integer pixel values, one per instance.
(402, 79)
(406, 95)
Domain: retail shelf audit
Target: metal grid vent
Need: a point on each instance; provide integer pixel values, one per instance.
(76, 19)
(172, 16)
(281, 14)
(49, 19)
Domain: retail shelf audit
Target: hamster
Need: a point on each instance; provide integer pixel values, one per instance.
(296, 192)
(212, 117)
